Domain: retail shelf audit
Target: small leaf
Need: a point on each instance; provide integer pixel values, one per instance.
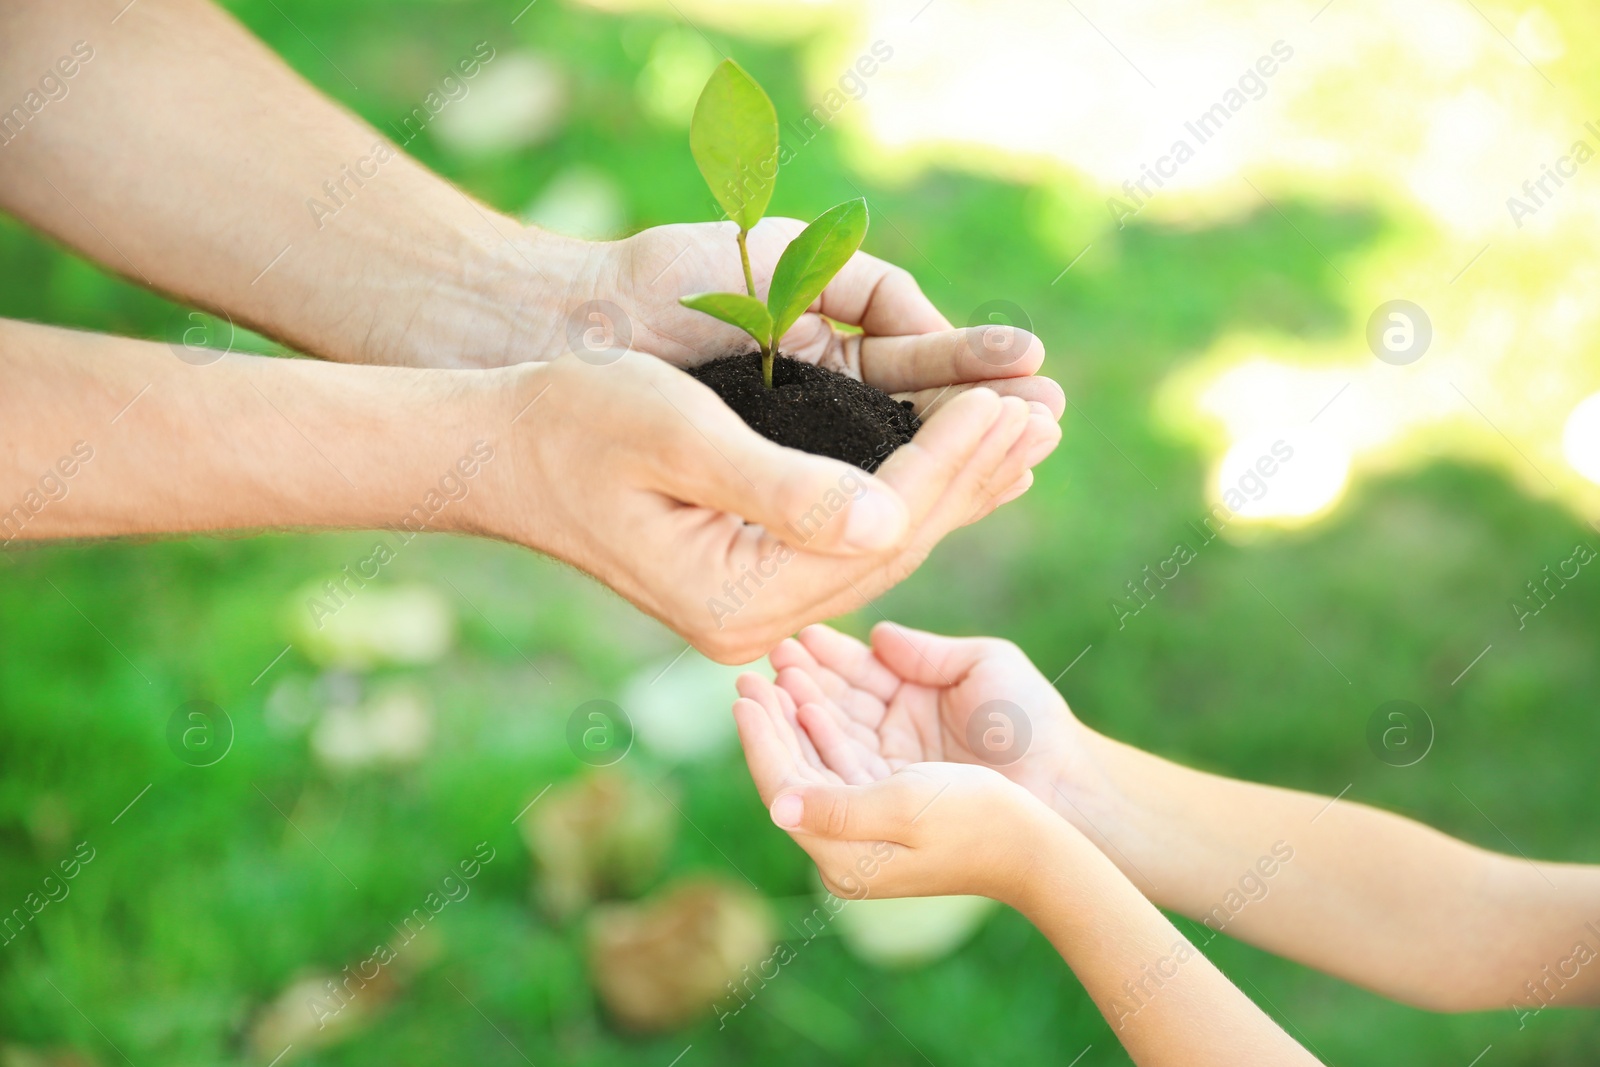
(734, 138)
(812, 259)
(745, 312)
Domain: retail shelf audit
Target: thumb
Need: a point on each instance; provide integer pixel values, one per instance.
(875, 812)
(808, 502)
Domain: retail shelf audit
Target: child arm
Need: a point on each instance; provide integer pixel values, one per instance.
(941, 828)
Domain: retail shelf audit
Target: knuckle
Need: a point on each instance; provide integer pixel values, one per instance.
(835, 817)
(899, 277)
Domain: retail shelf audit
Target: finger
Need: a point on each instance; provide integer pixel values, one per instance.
(839, 754)
(791, 715)
(770, 762)
(1035, 389)
(802, 687)
(925, 658)
(881, 811)
(998, 461)
(807, 680)
(791, 654)
(763, 692)
(1018, 487)
(713, 460)
(850, 660)
(922, 470)
(965, 492)
(839, 730)
(1039, 438)
(881, 298)
(934, 360)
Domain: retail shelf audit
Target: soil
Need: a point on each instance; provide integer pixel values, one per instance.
(813, 409)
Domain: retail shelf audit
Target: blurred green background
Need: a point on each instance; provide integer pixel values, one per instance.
(221, 886)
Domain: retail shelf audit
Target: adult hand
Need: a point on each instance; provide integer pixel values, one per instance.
(913, 696)
(641, 476)
(904, 345)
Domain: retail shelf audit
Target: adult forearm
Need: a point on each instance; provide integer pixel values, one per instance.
(107, 436)
(1166, 1002)
(254, 195)
(1363, 894)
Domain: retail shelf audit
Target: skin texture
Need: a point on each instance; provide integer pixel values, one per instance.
(1362, 894)
(927, 828)
(612, 460)
(252, 441)
(409, 270)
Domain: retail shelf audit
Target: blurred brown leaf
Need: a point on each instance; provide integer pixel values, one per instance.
(604, 834)
(661, 963)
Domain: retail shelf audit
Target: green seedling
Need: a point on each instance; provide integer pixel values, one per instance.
(734, 139)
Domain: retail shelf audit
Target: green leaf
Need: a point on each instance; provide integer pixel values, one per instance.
(734, 138)
(745, 312)
(812, 259)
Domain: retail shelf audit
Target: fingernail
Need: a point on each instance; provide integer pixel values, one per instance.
(1040, 451)
(787, 809)
(876, 521)
(1020, 486)
(1036, 408)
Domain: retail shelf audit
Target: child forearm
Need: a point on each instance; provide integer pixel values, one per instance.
(1166, 1002)
(1368, 896)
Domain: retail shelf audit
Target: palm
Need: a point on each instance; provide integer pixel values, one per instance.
(984, 704)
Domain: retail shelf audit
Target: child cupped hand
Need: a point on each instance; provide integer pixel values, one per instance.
(853, 748)
(924, 765)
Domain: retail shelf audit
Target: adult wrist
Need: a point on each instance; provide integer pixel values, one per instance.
(412, 448)
(497, 294)
(509, 412)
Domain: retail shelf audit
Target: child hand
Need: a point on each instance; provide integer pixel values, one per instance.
(914, 697)
(923, 829)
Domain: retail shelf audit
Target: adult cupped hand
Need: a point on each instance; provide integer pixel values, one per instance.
(636, 473)
(625, 293)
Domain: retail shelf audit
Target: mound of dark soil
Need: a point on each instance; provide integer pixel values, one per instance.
(813, 409)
